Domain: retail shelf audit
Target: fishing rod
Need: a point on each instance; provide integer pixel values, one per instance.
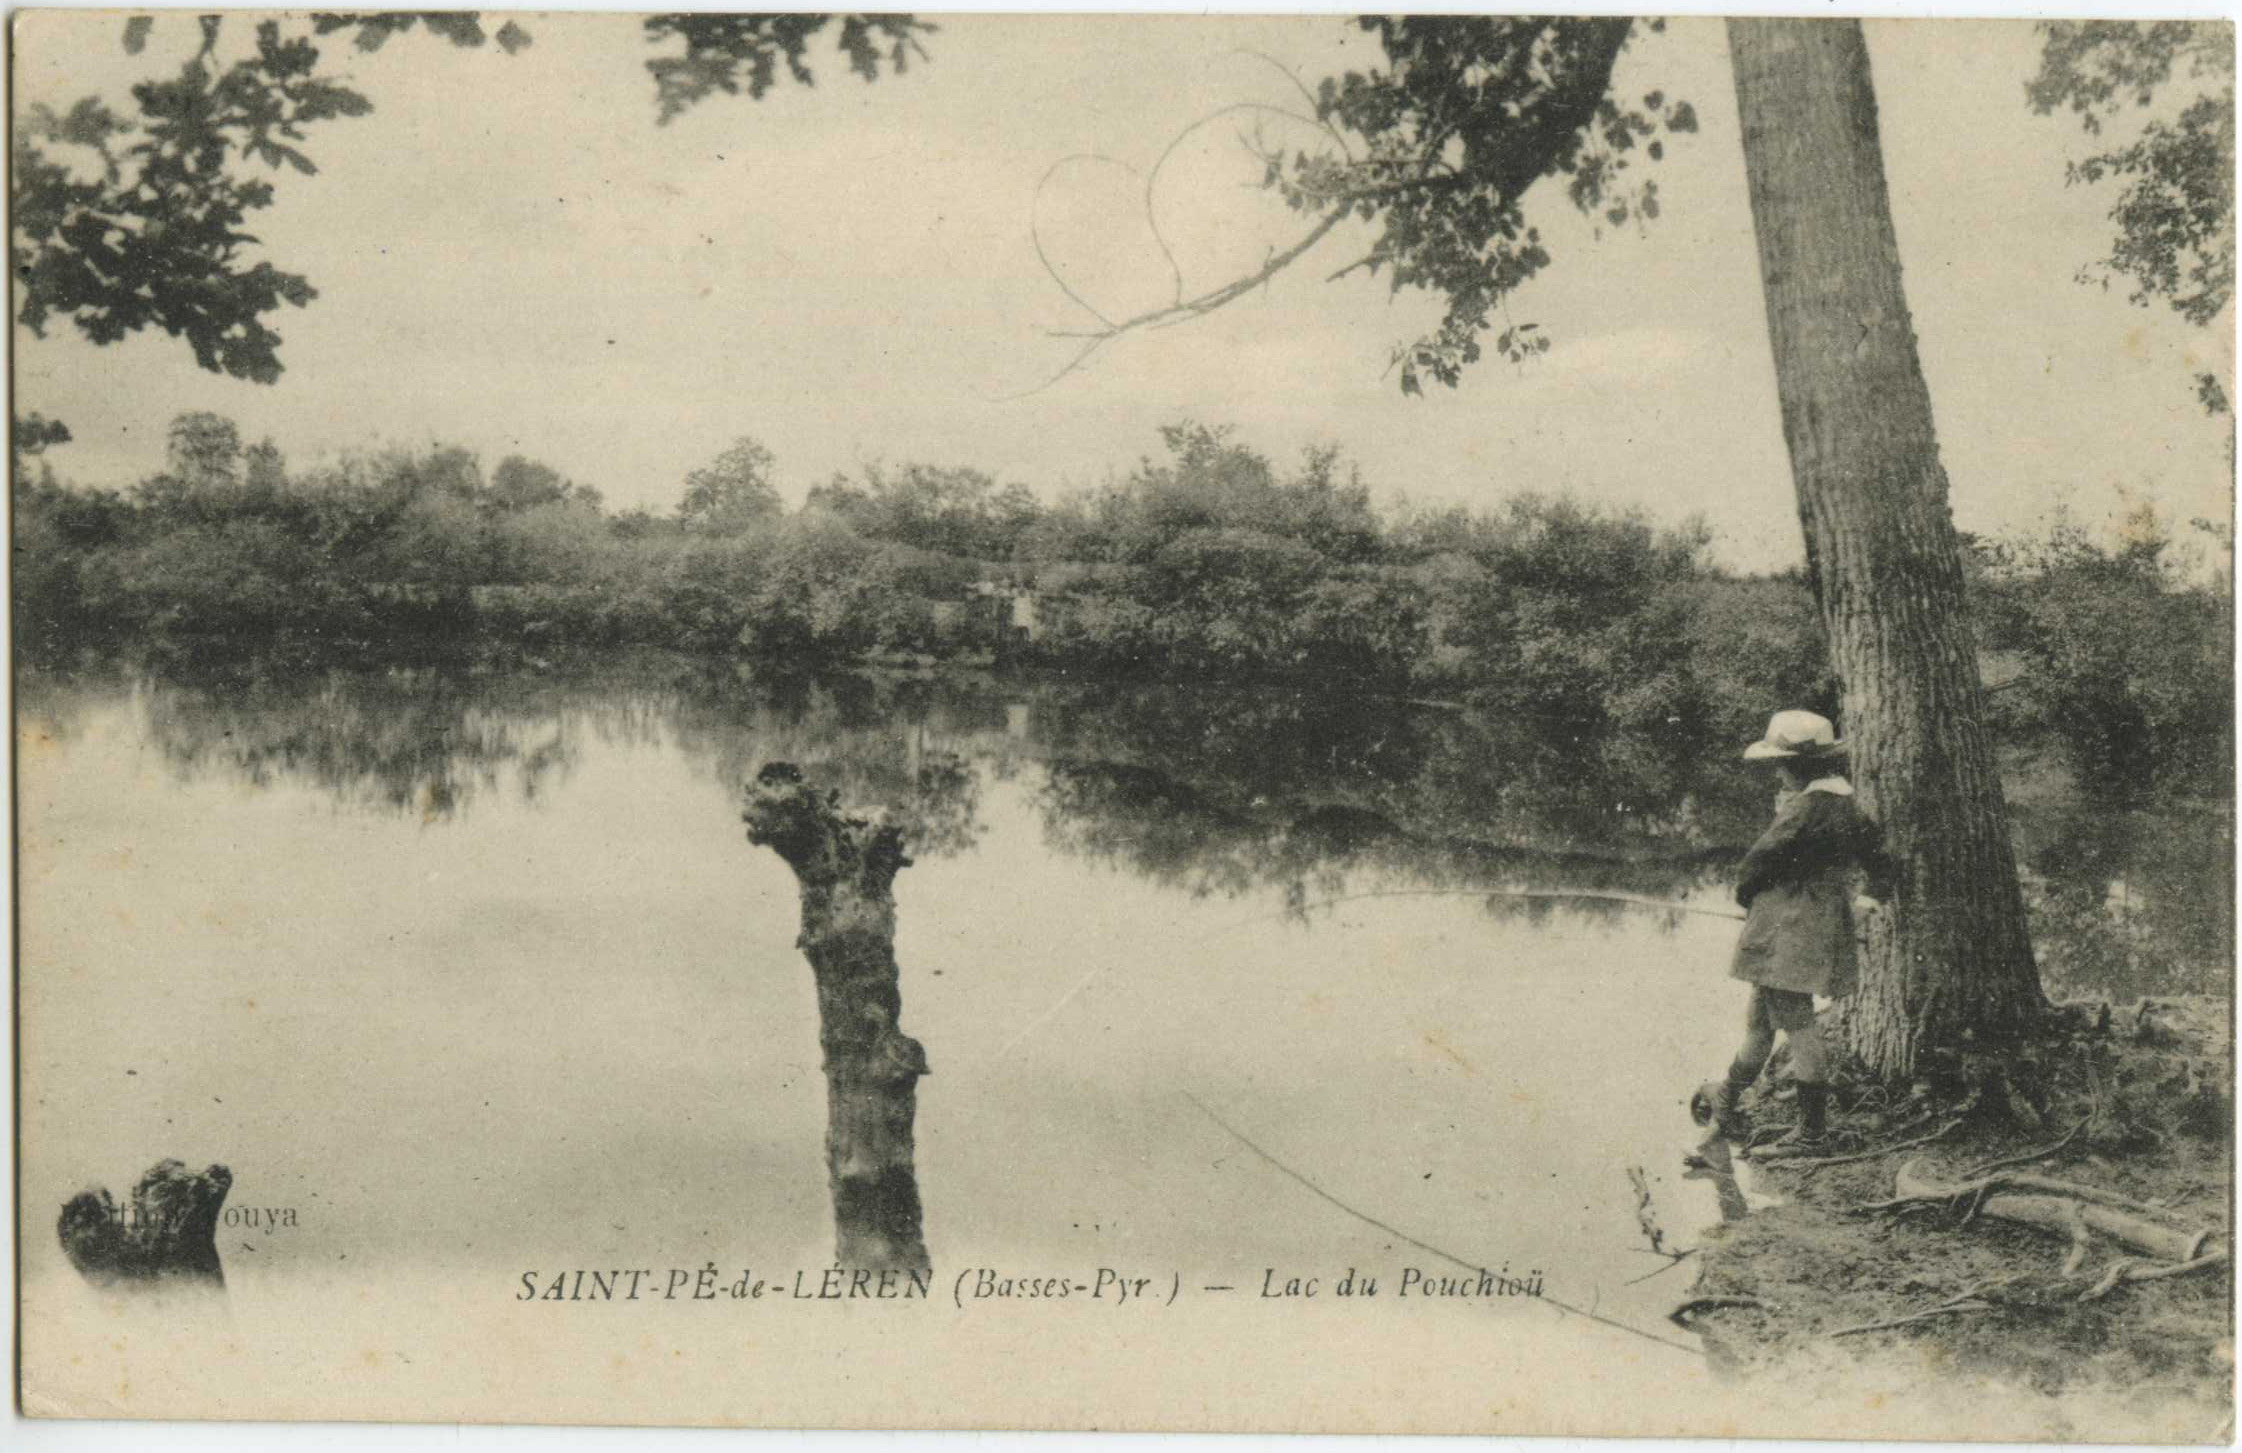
(1635, 900)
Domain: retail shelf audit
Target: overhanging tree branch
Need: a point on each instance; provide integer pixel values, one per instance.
(1444, 183)
(1182, 310)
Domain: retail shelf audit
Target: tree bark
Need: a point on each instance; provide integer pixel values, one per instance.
(846, 866)
(167, 1234)
(1951, 965)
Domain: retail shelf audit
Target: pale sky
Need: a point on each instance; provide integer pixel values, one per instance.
(512, 256)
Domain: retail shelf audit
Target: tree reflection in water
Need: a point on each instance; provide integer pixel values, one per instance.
(1210, 790)
(431, 740)
(1219, 793)
(405, 740)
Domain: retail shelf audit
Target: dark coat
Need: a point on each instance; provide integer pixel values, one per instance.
(1796, 886)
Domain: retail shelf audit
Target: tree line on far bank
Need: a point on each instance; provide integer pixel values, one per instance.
(1209, 560)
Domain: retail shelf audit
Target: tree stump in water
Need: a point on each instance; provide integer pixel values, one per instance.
(846, 866)
(168, 1233)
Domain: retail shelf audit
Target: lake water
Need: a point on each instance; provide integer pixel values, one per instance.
(475, 974)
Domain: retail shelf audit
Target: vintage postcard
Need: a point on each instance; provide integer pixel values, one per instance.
(1450, 724)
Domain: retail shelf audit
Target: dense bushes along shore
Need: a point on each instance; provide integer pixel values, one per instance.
(1207, 561)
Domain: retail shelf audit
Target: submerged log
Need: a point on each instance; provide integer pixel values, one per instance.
(167, 1233)
(845, 865)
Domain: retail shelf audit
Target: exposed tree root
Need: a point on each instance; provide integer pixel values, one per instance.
(2120, 1273)
(1944, 1309)
(2062, 1206)
(2031, 1155)
(1817, 1162)
(2118, 1086)
(2067, 1208)
(2040, 1294)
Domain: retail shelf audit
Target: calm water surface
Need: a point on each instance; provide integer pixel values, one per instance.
(477, 973)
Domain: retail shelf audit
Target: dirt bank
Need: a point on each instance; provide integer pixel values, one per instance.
(2134, 1105)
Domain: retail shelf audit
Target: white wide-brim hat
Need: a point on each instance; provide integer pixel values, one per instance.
(1796, 734)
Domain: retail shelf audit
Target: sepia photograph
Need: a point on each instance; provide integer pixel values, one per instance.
(1434, 724)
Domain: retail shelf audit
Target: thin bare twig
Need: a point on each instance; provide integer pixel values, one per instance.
(1305, 94)
(2120, 1273)
(2129, 1271)
(1181, 309)
(1152, 178)
(1369, 259)
(2016, 1181)
(1547, 124)
(1189, 308)
(1035, 231)
(1673, 1259)
(1965, 1304)
(1646, 1216)
(2029, 1156)
(1820, 1161)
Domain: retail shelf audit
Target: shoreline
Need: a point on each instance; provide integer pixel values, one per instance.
(2140, 1105)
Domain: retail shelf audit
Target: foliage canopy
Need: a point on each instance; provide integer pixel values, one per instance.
(121, 223)
(2174, 211)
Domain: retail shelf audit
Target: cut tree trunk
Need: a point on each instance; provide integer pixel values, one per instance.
(1951, 964)
(167, 1234)
(846, 864)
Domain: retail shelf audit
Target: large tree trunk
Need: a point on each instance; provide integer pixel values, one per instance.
(846, 866)
(1953, 964)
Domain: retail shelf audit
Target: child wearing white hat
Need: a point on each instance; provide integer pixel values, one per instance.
(1796, 887)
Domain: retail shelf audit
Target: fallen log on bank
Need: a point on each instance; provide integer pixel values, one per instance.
(2066, 1208)
(845, 864)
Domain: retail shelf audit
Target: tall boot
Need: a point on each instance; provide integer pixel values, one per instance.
(1813, 1108)
(1813, 1118)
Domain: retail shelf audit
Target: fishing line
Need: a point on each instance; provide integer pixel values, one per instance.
(1326, 1196)
(1425, 1246)
(1638, 900)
